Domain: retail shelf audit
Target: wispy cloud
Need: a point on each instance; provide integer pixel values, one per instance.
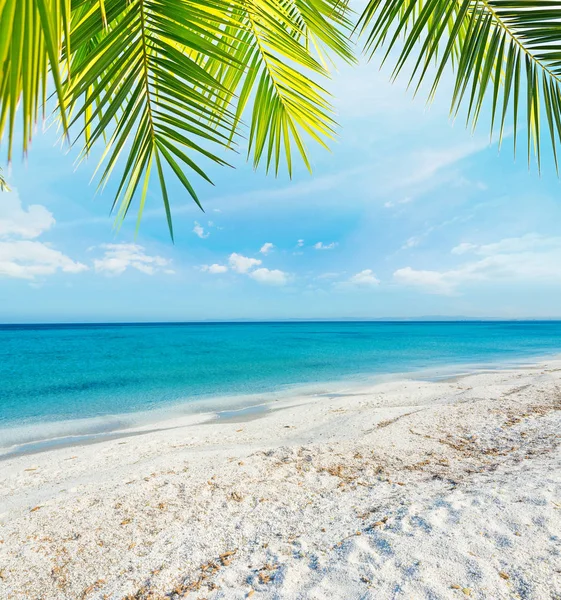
(411, 242)
(399, 202)
(423, 165)
(527, 258)
(117, 258)
(310, 188)
(266, 248)
(322, 246)
(417, 240)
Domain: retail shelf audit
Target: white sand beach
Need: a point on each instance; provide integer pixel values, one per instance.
(409, 489)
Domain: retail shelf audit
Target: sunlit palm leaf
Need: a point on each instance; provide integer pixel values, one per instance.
(506, 50)
(31, 37)
(285, 43)
(152, 100)
(162, 85)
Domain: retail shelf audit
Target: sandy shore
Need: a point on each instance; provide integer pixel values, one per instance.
(409, 489)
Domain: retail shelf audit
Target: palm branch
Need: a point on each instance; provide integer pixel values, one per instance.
(508, 51)
(163, 85)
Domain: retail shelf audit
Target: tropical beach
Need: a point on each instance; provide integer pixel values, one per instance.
(280, 290)
(405, 489)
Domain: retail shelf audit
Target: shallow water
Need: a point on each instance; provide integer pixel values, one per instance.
(66, 380)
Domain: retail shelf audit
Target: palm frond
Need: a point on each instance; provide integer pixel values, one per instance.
(506, 50)
(163, 85)
(31, 36)
(150, 99)
(285, 43)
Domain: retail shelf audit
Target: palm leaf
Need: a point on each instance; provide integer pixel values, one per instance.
(150, 99)
(284, 44)
(31, 36)
(507, 51)
(166, 83)
(4, 187)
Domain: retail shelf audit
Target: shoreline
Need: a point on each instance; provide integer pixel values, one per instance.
(406, 489)
(188, 412)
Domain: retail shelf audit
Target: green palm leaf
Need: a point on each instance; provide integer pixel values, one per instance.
(153, 102)
(506, 50)
(31, 36)
(4, 187)
(163, 85)
(275, 41)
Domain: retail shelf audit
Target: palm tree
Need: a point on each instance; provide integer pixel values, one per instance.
(166, 83)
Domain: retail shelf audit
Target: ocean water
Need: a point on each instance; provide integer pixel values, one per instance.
(60, 381)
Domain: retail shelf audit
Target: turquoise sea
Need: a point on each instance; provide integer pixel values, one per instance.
(74, 381)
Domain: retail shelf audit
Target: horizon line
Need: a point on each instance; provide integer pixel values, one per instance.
(419, 319)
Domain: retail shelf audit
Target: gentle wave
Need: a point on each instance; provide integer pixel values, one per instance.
(62, 381)
(32, 437)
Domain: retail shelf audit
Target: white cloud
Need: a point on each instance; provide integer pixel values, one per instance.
(198, 229)
(242, 264)
(15, 221)
(269, 276)
(392, 203)
(322, 246)
(300, 243)
(463, 248)
(530, 241)
(246, 265)
(364, 278)
(266, 248)
(524, 259)
(120, 257)
(25, 259)
(214, 269)
(432, 282)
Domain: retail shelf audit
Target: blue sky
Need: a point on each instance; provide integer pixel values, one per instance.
(408, 215)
